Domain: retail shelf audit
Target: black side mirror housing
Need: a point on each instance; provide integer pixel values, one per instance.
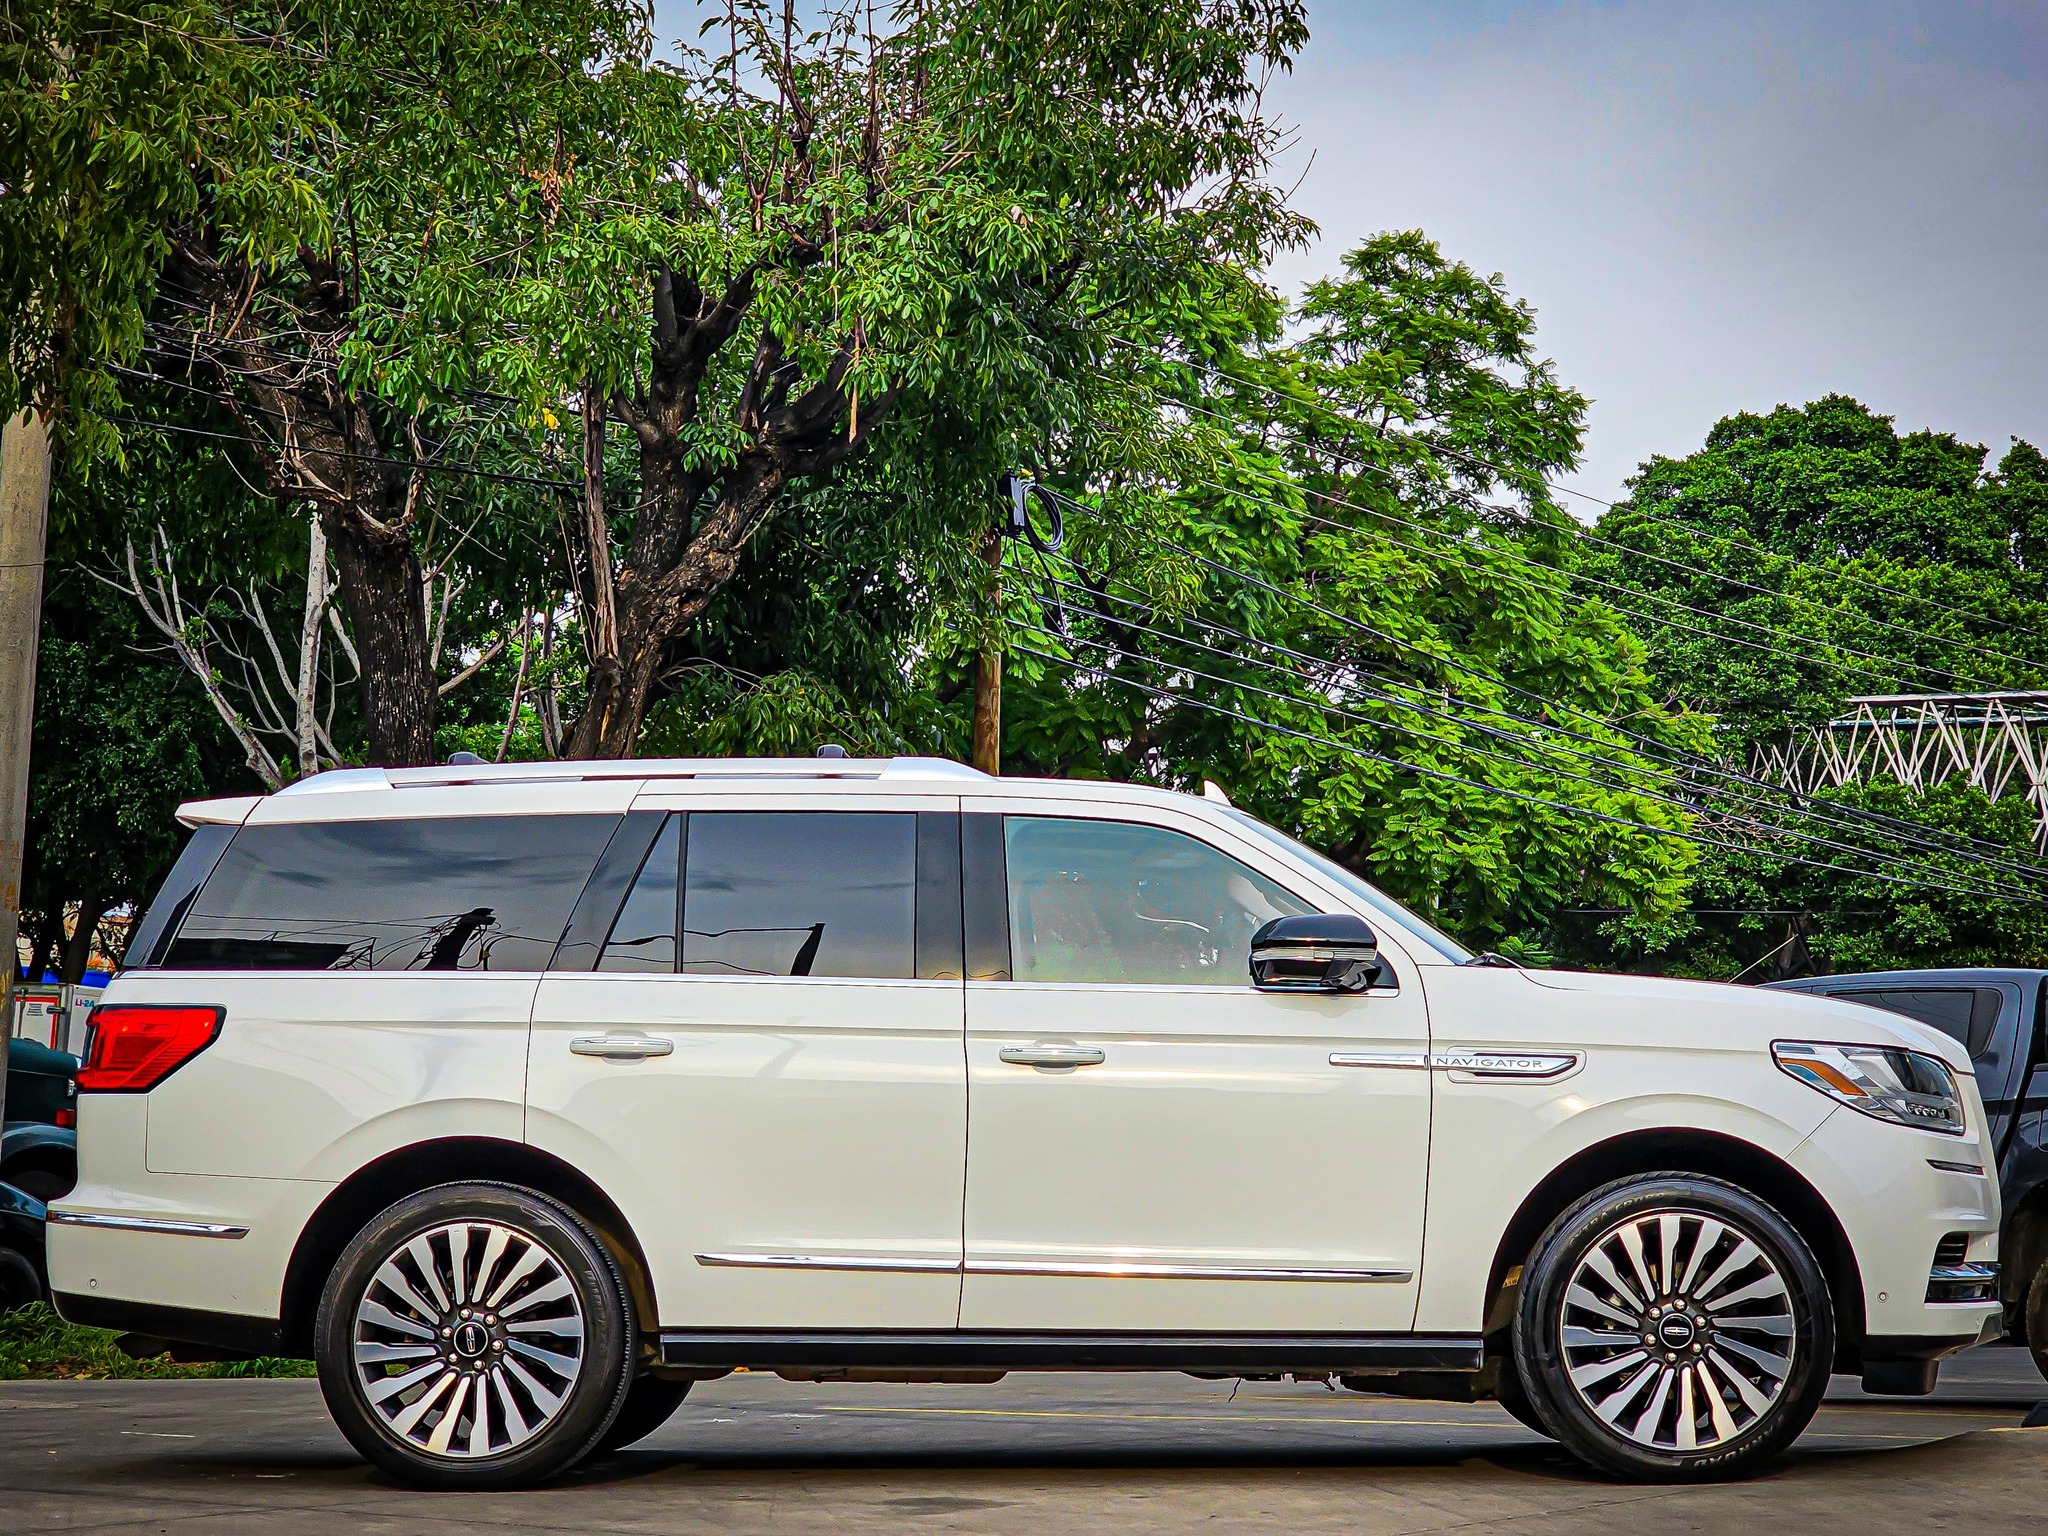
(1315, 952)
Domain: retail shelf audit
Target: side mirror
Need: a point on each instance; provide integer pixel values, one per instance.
(1315, 952)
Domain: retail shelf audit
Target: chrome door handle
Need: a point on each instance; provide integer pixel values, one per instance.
(1050, 1053)
(622, 1047)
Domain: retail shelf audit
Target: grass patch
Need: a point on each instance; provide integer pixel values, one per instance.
(38, 1345)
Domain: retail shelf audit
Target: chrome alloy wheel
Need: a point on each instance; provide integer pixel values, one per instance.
(467, 1340)
(1677, 1331)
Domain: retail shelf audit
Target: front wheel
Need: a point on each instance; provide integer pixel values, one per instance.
(475, 1336)
(1674, 1328)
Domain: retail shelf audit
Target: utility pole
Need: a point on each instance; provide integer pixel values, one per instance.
(24, 514)
(988, 666)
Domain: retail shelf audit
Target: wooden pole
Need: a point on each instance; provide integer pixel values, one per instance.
(988, 667)
(24, 514)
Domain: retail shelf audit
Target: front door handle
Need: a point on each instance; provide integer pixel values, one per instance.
(1051, 1053)
(622, 1047)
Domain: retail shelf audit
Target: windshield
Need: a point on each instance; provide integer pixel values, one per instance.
(1370, 896)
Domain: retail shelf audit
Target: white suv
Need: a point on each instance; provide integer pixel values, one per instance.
(522, 1097)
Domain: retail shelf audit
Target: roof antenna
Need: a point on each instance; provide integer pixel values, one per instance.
(465, 760)
(831, 749)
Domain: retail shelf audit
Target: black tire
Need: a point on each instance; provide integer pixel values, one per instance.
(649, 1405)
(1511, 1395)
(20, 1285)
(42, 1183)
(2037, 1318)
(1709, 1359)
(537, 1329)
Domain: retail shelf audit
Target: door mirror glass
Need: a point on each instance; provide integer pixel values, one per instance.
(1315, 952)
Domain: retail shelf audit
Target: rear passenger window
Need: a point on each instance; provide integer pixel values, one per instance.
(644, 937)
(483, 893)
(800, 893)
(1965, 1014)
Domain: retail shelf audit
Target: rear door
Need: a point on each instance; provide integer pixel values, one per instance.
(770, 1081)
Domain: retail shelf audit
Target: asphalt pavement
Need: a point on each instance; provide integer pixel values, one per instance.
(1033, 1453)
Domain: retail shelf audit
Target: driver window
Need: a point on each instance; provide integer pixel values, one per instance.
(1094, 901)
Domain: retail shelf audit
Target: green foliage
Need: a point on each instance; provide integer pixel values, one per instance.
(120, 740)
(117, 121)
(1434, 637)
(1834, 557)
(37, 1345)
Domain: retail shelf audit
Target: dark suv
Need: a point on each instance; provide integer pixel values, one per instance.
(1999, 1016)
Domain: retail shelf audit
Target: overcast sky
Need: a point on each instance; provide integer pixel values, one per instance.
(1712, 207)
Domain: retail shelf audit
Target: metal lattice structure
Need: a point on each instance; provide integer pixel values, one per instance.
(1997, 742)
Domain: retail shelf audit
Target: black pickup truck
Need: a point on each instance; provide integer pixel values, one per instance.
(2001, 1018)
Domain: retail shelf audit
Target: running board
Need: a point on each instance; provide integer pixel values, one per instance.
(1208, 1353)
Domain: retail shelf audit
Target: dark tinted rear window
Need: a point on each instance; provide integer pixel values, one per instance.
(800, 893)
(644, 937)
(1965, 1014)
(453, 893)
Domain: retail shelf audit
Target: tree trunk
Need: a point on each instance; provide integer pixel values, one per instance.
(78, 947)
(382, 586)
(307, 721)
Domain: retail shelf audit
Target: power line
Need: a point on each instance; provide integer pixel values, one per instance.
(1577, 812)
(1503, 473)
(425, 465)
(1586, 535)
(1659, 749)
(1817, 811)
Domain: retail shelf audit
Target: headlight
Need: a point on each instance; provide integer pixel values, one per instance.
(1901, 1086)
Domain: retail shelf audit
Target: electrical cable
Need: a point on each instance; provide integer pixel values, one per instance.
(1650, 744)
(1577, 812)
(1817, 811)
(1575, 531)
(1502, 473)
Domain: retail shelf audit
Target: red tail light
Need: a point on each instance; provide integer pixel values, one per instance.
(65, 1119)
(135, 1046)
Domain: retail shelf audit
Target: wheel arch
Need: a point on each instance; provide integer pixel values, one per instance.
(407, 1171)
(1683, 1151)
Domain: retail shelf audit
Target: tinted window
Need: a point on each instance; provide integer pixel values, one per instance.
(456, 893)
(800, 893)
(1965, 1014)
(180, 889)
(1109, 901)
(644, 937)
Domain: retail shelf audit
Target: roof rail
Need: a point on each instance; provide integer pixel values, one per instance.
(891, 770)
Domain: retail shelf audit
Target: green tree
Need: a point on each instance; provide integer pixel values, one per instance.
(1416, 601)
(1828, 556)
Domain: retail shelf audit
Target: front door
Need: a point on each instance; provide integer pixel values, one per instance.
(777, 1102)
(1155, 1145)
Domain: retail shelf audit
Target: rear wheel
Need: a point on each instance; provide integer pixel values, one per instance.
(1674, 1328)
(2037, 1318)
(475, 1336)
(20, 1285)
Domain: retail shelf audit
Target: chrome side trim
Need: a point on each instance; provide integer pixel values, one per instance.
(877, 1264)
(1488, 1065)
(1053, 1267)
(1409, 1060)
(1971, 1169)
(146, 1224)
(1185, 1271)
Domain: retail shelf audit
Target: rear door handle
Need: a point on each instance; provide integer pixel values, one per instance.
(1051, 1053)
(622, 1047)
